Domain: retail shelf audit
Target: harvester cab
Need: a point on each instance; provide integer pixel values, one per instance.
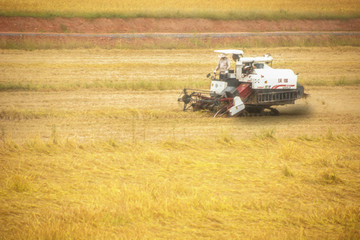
(252, 86)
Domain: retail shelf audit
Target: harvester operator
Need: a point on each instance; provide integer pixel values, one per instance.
(223, 65)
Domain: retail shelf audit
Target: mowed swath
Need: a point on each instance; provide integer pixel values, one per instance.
(170, 8)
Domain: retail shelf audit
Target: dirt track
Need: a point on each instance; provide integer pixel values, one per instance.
(90, 115)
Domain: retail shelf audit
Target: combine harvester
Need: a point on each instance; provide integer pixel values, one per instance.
(252, 88)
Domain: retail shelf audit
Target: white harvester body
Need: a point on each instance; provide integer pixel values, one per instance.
(218, 86)
(269, 78)
(261, 76)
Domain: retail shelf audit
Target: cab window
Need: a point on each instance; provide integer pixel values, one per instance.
(259, 65)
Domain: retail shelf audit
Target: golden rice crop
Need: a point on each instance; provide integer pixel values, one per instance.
(230, 9)
(262, 188)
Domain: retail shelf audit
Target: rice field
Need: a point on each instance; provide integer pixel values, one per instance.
(231, 9)
(93, 145)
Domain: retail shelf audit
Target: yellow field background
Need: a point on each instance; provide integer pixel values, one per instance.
(230, 9)
(94, 145)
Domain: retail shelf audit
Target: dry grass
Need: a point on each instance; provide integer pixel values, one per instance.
(56, 70)
(264, 187)
(231, 9)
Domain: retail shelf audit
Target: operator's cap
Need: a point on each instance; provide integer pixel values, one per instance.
(222, 55)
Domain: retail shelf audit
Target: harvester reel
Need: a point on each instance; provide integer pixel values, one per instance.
(186, 99)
